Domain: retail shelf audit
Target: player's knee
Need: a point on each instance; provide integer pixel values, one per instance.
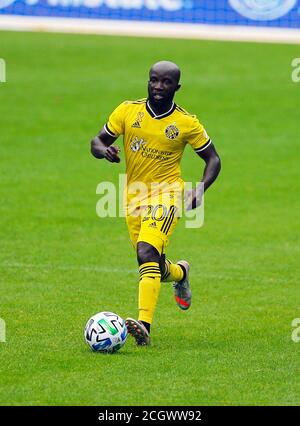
(146, 253)
(162, 264)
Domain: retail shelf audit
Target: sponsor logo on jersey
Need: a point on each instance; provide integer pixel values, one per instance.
(262, 10)
(172, 131)
(136, 144)
(152, 225)
(138, 121)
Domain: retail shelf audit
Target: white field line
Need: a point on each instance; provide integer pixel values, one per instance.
(150, 29)
(101, 269)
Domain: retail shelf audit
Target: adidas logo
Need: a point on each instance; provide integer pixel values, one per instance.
(136, 124)
(152, 225)
(139, 118)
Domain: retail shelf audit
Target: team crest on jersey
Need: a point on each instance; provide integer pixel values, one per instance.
(136, 144)
(172, 131)
(138, 121)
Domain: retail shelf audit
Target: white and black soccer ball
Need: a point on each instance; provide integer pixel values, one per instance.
(105, 332)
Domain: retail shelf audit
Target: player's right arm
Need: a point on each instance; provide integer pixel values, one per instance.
(101, 147)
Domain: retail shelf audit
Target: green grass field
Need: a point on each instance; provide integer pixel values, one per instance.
(60, 263)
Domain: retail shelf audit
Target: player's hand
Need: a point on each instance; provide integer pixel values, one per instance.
(112, 154)
(193, 197)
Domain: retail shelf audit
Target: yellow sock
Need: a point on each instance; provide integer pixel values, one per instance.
(148, 290)
(173, 272)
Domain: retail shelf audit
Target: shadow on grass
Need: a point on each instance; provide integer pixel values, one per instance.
(123, 352)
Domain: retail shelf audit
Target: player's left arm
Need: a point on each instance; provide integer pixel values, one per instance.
(212, 165)
(211, 172)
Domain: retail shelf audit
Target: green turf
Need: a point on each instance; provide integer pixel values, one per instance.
(60, 263)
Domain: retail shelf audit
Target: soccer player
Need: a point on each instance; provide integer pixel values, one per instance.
(155, 132)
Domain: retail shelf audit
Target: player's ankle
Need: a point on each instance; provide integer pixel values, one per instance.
(184, 272)
(146, 325)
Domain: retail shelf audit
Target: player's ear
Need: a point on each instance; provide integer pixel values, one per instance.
(178, 87)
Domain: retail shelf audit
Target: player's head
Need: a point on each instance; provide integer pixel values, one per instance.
(163, 82)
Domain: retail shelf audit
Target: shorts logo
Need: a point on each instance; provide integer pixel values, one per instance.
(262, 10)
(172, 131)
(138, 121)
(136, 144)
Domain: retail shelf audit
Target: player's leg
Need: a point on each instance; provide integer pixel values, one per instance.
(179, 274)
(149, 288)
(170, 271)
(134, 327)
(149, 284)
(158, 221)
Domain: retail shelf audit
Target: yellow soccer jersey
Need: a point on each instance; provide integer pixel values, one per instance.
(154, 144)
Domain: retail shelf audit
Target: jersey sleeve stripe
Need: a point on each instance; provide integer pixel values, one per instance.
(106, 128)
(183, 111)
(204, 146)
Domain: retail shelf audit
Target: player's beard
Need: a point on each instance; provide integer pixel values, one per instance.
(160, 103)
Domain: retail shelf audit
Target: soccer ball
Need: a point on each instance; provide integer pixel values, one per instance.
(105, 332)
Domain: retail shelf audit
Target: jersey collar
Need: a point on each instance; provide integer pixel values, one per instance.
(158, 117)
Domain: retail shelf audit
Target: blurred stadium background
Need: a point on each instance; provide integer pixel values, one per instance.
(274, 20)
(59, 263)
